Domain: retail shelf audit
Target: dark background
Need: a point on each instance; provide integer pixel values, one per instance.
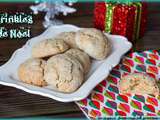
(16, 103)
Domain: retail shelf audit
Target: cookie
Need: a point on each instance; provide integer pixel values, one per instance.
(48, 48)
(69, 38)
(64, 72)
(93, 42)
(138, 83)
(31, 72)
(82, 57)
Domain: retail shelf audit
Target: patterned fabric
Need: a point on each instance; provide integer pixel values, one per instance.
(105, 100)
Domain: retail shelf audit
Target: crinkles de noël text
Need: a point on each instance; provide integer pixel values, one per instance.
(11, 19)
(16, 18)
(15, 33)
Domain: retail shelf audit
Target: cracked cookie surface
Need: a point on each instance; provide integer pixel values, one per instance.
(64, 72)
(93, 42)
(69, 38)
(32, 71)
(82, 57)
(48, 48)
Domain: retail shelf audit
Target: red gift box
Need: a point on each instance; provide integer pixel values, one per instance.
(128, 20)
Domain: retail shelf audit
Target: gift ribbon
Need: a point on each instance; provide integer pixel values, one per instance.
(109, 15)
(139, 13)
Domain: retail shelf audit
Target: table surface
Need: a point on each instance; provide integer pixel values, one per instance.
(17, 103)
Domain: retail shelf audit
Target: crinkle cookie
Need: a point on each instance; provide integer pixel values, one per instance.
(48, 48)
(31, 72)
(69, 38)
(64, 72)
(138, 83)
(82, 57)
(93, 42)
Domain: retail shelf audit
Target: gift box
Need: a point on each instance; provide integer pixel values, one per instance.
(126, 19)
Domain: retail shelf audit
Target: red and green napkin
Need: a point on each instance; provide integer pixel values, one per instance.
(105, 100)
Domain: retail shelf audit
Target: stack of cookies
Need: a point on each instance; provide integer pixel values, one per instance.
(63, 61)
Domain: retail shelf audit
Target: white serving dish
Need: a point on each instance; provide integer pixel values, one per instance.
(98, 72)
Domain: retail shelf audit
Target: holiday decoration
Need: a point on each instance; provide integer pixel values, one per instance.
(106, 101)
(52, 8)
(126, 19)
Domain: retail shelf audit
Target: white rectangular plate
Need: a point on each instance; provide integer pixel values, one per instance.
(99, 69)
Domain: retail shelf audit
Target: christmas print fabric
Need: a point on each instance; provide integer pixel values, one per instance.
(105, 100)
